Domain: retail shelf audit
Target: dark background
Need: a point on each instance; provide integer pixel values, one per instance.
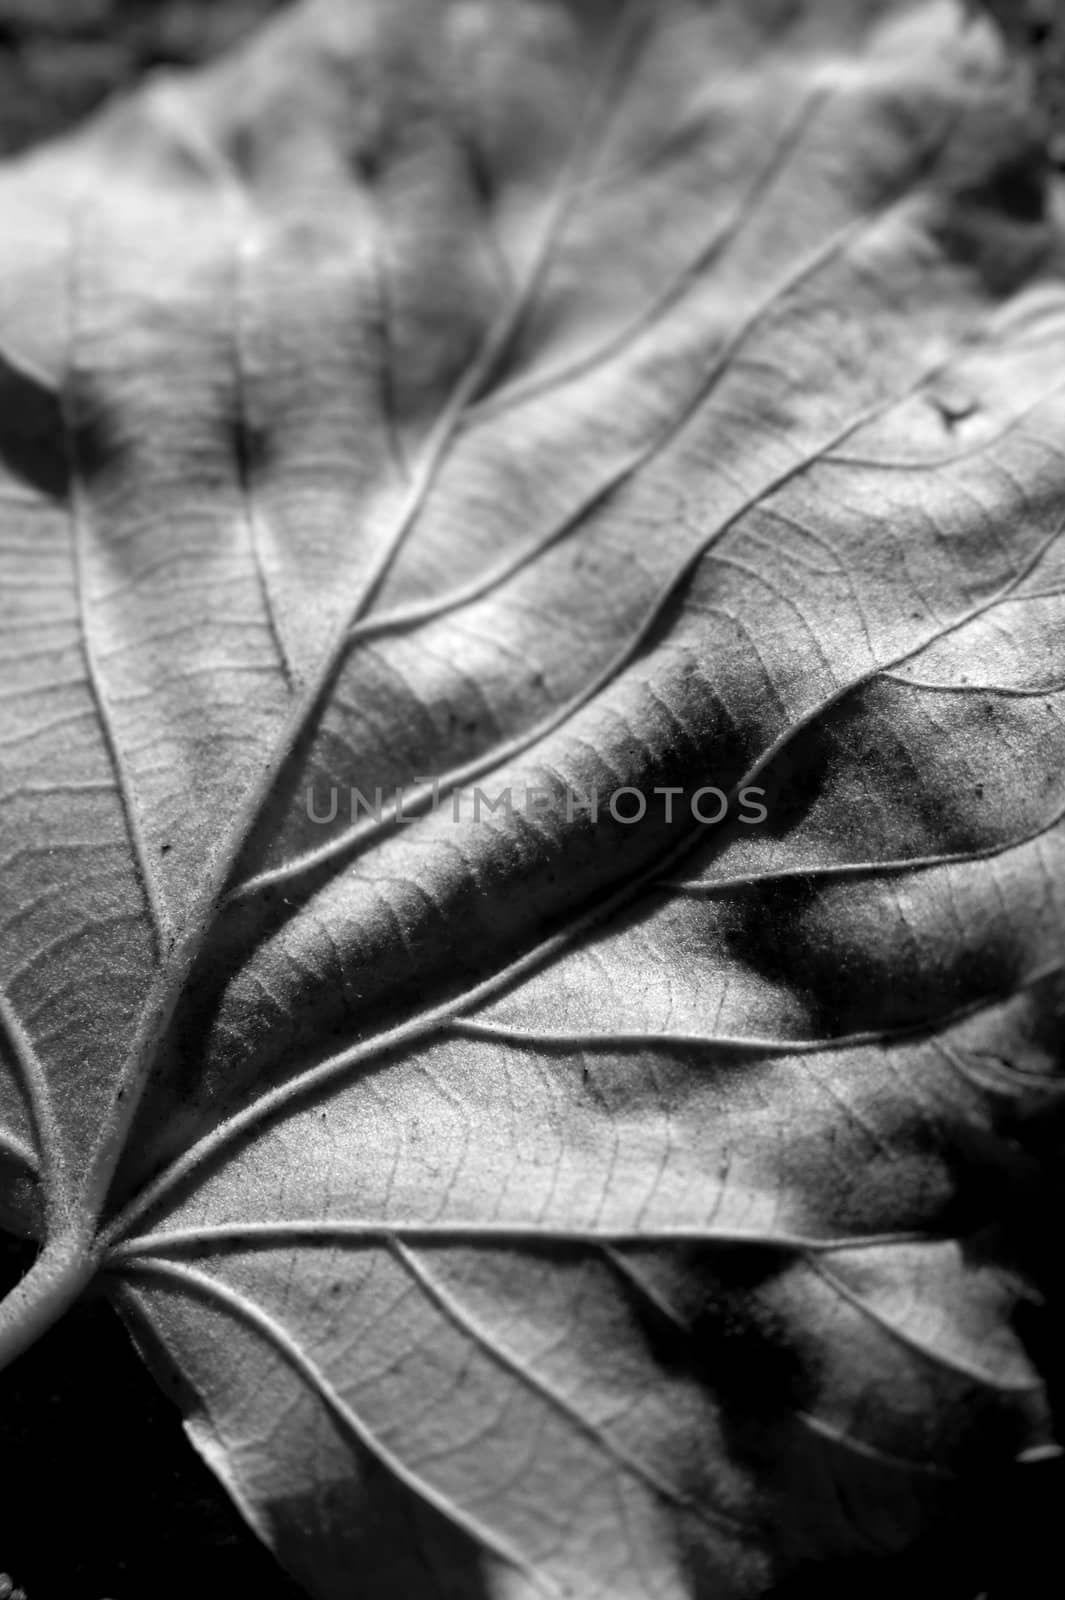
(60, 58)
(101, 1497)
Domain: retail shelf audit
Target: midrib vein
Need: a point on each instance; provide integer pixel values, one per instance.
(186, 948)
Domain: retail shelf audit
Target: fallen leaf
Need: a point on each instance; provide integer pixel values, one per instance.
(646, 406)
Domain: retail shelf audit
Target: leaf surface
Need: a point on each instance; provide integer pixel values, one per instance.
(553, 398)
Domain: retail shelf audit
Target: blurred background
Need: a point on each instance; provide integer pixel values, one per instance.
(60, 58)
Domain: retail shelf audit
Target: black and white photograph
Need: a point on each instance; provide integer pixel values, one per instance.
(532, 799)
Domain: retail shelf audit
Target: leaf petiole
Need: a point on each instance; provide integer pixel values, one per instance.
(58, 1277)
